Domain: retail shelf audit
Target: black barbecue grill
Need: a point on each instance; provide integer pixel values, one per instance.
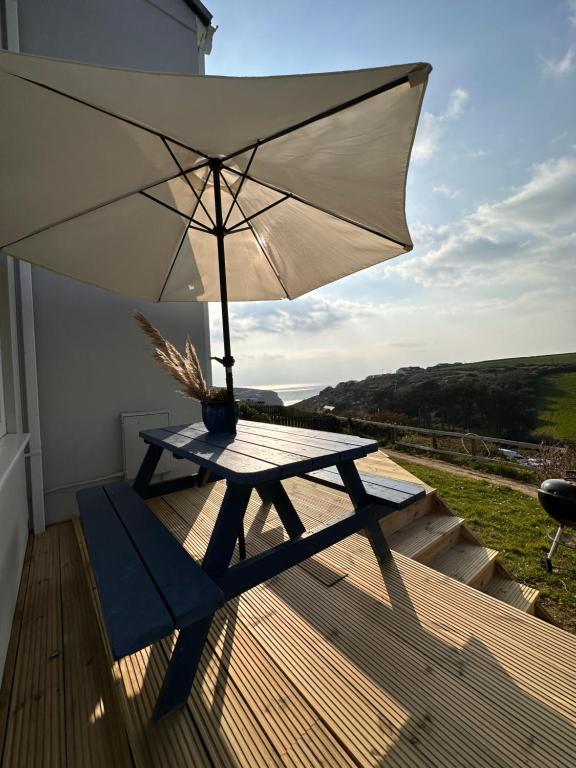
(558, 497)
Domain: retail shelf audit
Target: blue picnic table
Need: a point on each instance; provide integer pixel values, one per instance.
(257, 458)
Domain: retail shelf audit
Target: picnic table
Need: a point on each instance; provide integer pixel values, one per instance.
(257, 458)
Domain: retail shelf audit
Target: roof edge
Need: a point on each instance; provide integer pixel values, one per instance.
(200, 10)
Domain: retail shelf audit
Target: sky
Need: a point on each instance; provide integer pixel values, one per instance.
(491, 195)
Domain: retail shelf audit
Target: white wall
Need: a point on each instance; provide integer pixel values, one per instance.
(93, 363)
(13, 531)
(144, 34)
(14, 516)
(13, 496)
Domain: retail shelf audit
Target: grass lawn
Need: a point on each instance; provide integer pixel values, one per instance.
(517, 526)
(557, 405)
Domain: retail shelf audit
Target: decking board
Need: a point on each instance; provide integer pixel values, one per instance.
(518, 722)
(7, 687)
(403, 667)
(95, 734)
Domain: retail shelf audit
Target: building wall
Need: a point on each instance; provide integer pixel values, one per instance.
(13, 532)
(93, 363)
(143, 34)
(13, 496)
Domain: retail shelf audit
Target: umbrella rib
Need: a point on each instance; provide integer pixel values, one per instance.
(326, 113)
(258, 213)
(242, 180)
(94, 208)
(190, 220)
(198, 197)
(104, 111)
(173, 263)
(266, 256)
(175, 210)
(339, 216)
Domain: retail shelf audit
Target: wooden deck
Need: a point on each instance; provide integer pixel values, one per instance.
(332, 663)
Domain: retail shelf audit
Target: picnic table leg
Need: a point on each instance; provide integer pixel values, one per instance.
(227, 529)
(355, 488)
(182, 667)
(203, 477)
(147, 469)
(242, 544)
(274, 493)
(187, 652)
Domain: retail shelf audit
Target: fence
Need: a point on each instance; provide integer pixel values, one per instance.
(291, 417)
(479, 447)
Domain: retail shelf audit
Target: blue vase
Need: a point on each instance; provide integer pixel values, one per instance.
(216, 417)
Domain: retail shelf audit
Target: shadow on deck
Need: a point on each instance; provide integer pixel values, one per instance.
(335, 663)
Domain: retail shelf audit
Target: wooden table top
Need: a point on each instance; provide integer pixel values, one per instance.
(259, 452)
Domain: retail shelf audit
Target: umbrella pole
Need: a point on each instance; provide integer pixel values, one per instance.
(219, 231)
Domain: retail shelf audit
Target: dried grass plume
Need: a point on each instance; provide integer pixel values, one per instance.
(184, 368)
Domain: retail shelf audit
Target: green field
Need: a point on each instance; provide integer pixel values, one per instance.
(566, 358)
(516, 525)
(557, 406)
(556, 393)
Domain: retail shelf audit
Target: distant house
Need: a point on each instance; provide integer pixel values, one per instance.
(71, 358)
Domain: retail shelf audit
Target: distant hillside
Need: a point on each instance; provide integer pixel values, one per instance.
(250, 395)
(520, 398)
(566, 358)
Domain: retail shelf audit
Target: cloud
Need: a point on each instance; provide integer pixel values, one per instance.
(301, 323)
(456, 103)
(559, 67)
(432, 127)
(562, 66)
(442, 189)
(262, 357)
(522, 243)
(546, 202)
(306, 315)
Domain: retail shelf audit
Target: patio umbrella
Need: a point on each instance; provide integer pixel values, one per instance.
(173, 187)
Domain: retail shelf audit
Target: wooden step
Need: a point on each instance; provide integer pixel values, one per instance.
(427, 537)
(509, 591)
(398, 520)
(468, 563)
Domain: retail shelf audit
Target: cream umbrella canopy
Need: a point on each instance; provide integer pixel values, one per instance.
(173, 187)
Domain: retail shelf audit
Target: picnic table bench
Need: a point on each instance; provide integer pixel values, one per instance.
(396, 494)
(148, 584)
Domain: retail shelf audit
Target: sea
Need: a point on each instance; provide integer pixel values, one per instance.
(293, 393)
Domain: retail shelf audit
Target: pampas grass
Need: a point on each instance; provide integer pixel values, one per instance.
(184, 368)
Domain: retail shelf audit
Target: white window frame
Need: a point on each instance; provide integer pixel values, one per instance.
(4, 347)
(10, 406)
(3, 425)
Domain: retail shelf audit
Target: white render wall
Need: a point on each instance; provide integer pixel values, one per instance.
(143, 34)
(13, 531)
(13, 492)
(93, 363)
